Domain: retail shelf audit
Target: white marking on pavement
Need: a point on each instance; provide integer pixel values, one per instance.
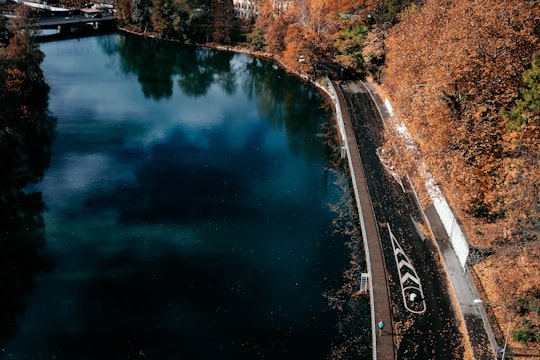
(411, 287)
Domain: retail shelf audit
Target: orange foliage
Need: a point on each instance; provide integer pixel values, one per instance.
(295, 48)
(451, 67)
(307, 27)
(509, 279)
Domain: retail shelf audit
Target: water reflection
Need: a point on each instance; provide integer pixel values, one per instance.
(285, 104)
(22, 238)
(156, 63)
(172, 188)
(184, 226)
(210, 67)
(281, 99)
(25, 151)
(145, 59)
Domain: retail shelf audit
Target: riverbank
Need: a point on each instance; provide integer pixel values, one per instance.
(216, 207)
(481, 271)
(321, 84)
(241, 49)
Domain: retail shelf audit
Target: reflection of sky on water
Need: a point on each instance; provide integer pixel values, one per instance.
(157, 118)
(194, 207)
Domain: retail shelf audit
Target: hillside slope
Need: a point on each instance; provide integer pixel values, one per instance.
(464, 76)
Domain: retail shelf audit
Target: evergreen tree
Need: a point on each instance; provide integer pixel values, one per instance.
(141, 13)
(528, 105)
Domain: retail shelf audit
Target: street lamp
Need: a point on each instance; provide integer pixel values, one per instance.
(479, 301)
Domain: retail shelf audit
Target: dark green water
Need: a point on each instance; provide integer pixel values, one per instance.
(191, 211)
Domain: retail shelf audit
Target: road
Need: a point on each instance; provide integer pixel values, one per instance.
(425, 325)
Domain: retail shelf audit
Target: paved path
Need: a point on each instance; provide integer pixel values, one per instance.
(462, 285)
(409, 291)
(383, 343)
(464, 290)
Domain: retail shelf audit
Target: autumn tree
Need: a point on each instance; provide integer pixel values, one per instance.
(317, 16)
(301, 29)
(26, 127)
(297, 51)
(451, 67)
(319, 19)
(455, 63)
(374, 50)
(271, 25)
(352, 6)
(124, 11)
(223, 15)
(167, 18)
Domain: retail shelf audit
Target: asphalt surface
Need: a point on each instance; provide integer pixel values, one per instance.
(424, 324)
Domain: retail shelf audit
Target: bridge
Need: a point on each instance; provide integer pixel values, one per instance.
(50, 17)
(66, 22)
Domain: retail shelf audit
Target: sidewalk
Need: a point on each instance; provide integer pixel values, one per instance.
(464, 291)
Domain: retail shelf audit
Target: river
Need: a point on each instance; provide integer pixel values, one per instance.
(195, 207)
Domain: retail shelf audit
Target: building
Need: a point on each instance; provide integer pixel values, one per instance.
(245, 8)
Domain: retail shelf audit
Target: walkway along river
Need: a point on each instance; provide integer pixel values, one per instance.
(409, 290)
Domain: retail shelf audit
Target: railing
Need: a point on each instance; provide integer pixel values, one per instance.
(468, 275)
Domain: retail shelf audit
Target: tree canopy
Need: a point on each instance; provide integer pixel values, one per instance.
(451, 67)
(197, 21)
(26, 127)
(464, 76)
